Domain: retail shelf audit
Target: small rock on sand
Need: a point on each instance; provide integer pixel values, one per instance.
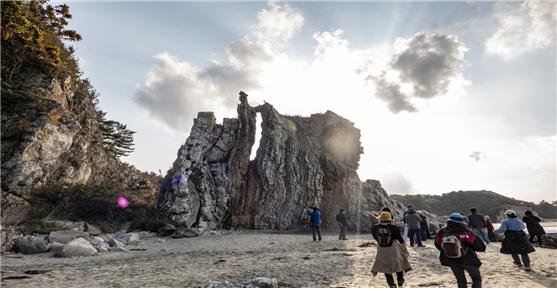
(78, 247)
(30, 245)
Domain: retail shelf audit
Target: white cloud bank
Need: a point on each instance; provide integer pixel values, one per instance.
(530, 27)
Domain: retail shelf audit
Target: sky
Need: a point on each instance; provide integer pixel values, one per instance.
(448, 95)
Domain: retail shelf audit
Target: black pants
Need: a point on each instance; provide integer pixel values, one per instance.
(415, 232)
(525, 259)
(538, 236)
(316, 231)
(491, 236)
(342, 234)
(474, 272)
(391, 280)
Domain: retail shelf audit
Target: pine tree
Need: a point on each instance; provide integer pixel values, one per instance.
(117, 138)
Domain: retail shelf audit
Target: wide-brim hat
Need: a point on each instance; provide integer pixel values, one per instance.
(385, 216)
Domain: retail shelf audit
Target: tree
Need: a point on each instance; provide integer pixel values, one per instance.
(32, 36)
(117, 138)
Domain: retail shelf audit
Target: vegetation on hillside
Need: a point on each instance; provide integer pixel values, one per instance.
(487, 202)
(34, 37)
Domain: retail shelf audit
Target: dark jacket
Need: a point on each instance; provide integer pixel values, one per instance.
(390, 228)
(476, 221)
(516, 242)
(412, 220)
(533, 225)
(471, 244)
(342, 219)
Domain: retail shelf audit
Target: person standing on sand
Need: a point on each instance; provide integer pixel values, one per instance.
(342, 220)
(476, 223)
(315, 221)
(424, 226)
(515, 242)
(392, 254)
(412, 221)
(458, 247)
(535, 229)
(490, 229)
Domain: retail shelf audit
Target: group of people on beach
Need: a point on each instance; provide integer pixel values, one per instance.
(457, 241)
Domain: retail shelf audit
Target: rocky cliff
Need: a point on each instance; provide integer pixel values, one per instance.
(50, 137)
(301, 162)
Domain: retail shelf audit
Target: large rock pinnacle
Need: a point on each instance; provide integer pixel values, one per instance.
(301, 162)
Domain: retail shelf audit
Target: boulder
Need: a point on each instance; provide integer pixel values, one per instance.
(56, 247)
(186, 233)
(262, 282)
(92, 230)
(99, 243)
(127, 238)
(30, 245)
(65, 236)
(224, 284)
(112, 242)
(550, 240)
(78, 247)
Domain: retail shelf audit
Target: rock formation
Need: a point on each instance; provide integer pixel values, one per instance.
(301, 162)
(51, 136)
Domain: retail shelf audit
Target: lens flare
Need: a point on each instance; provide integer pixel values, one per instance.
(123, 202)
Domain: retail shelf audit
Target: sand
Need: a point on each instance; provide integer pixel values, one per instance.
(293, 259)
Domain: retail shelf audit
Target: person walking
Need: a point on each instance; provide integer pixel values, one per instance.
(515, 242)
(535, 229)
(424, 226)
(342, 220)
(490, 229)
(412, 221)
(458, 247)
(315, 222)
(476, 223)
(392, 254)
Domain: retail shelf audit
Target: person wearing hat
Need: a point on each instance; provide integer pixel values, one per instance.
(515, 242)
(490, 229)
(392, 255)
(458, 247)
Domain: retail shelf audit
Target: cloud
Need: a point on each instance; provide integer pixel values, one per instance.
(397, 183)
(530, 27)
(175, 90)
(279, 23)
(477, 156)
(422, 66)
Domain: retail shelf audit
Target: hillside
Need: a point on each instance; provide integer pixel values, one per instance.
(487, 202)
(60, 155)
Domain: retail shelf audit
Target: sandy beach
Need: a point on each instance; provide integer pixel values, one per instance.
(293, 259)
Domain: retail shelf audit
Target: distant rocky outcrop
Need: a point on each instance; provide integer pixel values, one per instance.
(301, 162)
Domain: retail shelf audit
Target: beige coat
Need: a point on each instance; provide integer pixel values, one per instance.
(391, 259)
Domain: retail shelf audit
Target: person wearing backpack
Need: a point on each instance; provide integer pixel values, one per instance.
(515, 242)
(392, 255)
(535, 229)
(458, 247)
